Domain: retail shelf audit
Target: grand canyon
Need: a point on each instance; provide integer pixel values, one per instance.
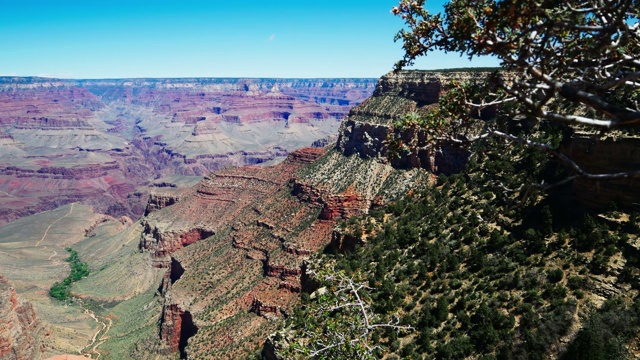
(199, 205)
(279, 180)
(105, 152)
(100, 142)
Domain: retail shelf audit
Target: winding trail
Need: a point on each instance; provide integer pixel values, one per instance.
(103, 322)
(56, 262)
(99, 336)
(50, 225)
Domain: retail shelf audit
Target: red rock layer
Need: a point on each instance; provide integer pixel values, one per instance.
(66, 107)
(338, 206)
(171, 325)
(217, 199)
(176, 327)
(269, 226)
(21, 335)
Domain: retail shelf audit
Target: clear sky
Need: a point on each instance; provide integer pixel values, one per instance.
(204, 38)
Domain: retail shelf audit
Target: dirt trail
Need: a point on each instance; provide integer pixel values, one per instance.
(50, 225)
(99, 336)
(56, 262)
(9, 195)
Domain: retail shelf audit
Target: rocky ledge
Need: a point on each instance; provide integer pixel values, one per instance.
(367, 129)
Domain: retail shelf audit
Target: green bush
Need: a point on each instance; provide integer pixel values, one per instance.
(61, 290)
(575, 282)
(555, 275)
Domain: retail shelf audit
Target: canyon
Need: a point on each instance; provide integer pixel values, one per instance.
(106, 143)
(216, 262)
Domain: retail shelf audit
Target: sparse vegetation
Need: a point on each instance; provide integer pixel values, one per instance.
(484, 271)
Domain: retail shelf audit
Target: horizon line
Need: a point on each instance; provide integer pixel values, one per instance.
(471, 68)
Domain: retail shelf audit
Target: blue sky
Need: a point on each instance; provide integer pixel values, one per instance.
(197, 38)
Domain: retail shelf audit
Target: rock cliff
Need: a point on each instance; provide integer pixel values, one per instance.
(262, 224)
(21, 334)
(365, 134)
(367, 129)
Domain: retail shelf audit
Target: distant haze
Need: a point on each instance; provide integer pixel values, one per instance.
(198, 38)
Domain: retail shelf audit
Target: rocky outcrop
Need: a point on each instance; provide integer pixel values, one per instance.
(161, 240)
(21, 334)
(176, 327)
(345, 205)
(367, 130)
(305, 155)
(269, 311)
(281, 271)
(173, 274)
(308, 193)
(365, 139)
(158, 201)
(338, 206)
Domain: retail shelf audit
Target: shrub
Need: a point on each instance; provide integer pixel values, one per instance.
(555, 275)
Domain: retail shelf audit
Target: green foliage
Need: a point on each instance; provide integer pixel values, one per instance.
(411, 129)
(336, 321)
(477, 270)
(61, 290)
(606, 332)
(544, 46)
(555, 275)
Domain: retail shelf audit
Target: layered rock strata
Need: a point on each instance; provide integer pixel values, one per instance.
(264, 223)
(96, 141)
(367, 130)
(21, 334)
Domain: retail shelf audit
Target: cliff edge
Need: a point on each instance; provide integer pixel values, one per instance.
(21, 334)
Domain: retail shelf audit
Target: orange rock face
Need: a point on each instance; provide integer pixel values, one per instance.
(176, 327)
(21, 335)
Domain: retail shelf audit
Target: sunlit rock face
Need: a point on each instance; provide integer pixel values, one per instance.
(21, 334)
